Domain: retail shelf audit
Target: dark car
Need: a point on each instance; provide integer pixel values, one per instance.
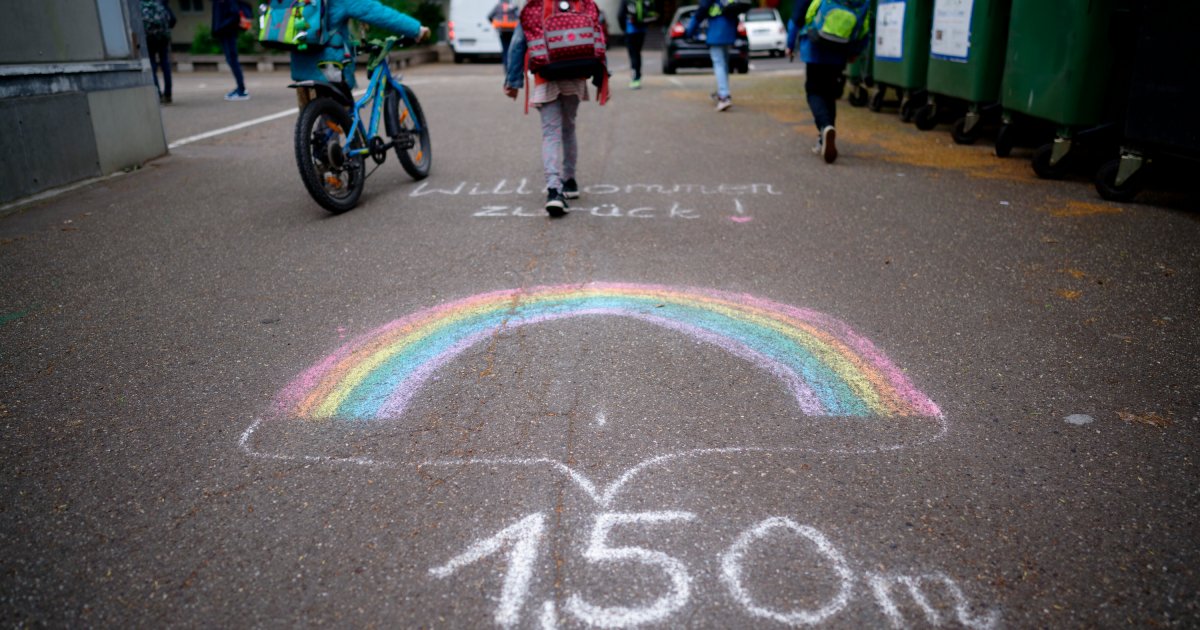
(684, 53)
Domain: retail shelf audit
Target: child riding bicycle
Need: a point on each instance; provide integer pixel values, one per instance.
(334, 61)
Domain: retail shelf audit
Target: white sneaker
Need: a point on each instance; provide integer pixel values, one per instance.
(724, 103)
(829, 144)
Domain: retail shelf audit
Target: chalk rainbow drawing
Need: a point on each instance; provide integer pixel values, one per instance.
(830, 369)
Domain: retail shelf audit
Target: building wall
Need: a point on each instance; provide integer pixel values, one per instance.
(76, 88)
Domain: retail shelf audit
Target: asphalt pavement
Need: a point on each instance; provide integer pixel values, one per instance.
(733, 387)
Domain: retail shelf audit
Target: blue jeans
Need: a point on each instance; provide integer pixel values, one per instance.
(720, 61)
(229, 47)
(823, 87)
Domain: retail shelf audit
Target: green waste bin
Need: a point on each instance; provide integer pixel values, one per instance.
(901, 54)
(968, 39)
(1059, 68)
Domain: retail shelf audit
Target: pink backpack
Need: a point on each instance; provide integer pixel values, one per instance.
(565, 40)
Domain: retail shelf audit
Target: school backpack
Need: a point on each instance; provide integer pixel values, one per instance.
(506, 16)
(729, 8)
(564, 39)
(839, 22)
(642, 11)
(292, 24)
(157, 19)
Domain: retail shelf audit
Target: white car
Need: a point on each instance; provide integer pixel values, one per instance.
(766, 31)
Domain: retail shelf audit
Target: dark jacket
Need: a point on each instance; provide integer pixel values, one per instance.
(628, 19)
(225, 18)
(722, 30)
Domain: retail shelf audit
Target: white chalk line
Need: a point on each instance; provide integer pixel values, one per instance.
(524, 536)
(731, 573)
(230, 129)
(242, 125)
(598, 551)
(881, 588)
(602, 498)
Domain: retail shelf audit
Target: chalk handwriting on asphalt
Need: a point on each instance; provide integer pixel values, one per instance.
(633, 201)
(522, 542)
(830, 370)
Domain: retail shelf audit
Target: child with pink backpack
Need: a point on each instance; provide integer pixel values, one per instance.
(563, 44)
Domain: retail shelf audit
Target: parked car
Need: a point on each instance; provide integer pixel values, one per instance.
(684, 53)
(766, 31)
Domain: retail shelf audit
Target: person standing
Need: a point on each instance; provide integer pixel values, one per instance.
(633, 16)
(825, 48)
(504, 21)
(226, 27)
(721, 33)
(157, 22)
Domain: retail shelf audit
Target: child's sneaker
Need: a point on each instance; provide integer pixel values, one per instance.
(237, 96)
(556, 205)
(724, 103)
(635, 84)
(570, 189)
(829, 144)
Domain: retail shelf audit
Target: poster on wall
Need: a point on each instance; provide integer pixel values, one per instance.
(951, 36)
(889, 30)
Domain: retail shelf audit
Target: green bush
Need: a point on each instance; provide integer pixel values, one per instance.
(203, 43)
(427, 12)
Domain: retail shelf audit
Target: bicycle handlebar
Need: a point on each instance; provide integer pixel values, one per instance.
(377, 46)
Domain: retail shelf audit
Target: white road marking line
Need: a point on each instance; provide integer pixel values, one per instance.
(676, 82)
(224, 130)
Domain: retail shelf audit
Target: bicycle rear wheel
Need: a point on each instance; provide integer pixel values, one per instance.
(323, 142)
(407, 128)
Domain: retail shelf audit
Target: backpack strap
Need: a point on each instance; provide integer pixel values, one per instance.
(528, 80)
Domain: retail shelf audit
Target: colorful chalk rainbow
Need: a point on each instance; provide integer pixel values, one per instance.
(831, 370)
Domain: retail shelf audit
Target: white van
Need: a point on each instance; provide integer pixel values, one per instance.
(469, 32)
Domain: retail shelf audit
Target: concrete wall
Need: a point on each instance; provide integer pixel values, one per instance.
(75, 83)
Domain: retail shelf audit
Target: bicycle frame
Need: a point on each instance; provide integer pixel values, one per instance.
(381, 79)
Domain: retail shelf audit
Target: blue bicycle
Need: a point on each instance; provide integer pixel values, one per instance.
(333, 141)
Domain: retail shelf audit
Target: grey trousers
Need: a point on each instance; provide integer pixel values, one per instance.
(558, 140)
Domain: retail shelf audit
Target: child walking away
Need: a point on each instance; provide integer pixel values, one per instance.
(721, 33)
(562, 43)
(633, 15)
(830, 33)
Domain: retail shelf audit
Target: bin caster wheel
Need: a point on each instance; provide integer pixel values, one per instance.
(908, 110)
(859, 96)
(926, 117)
(1043, 167)
(960, 135)
(1004, 141)
(1106, 185)
(876, 104)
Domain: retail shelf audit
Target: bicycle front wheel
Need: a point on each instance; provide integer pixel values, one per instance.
(406, 126)
(324, 140)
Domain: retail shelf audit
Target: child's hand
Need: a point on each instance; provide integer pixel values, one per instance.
(424, 35)
(511, 92)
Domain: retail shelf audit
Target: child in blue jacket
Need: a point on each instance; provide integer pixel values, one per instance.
(334, 62)
(721, 34)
